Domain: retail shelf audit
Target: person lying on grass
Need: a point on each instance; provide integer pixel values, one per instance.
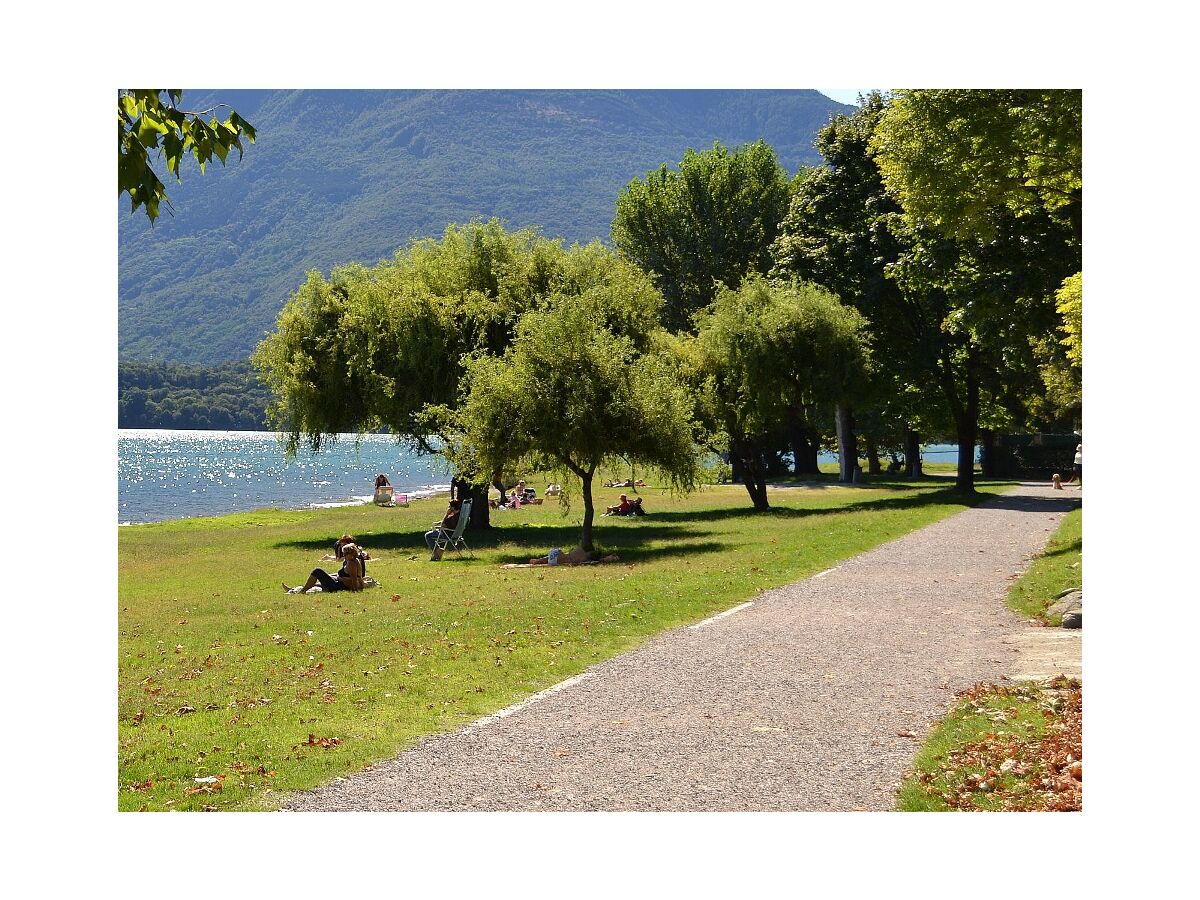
(576, 557)
(348, 578)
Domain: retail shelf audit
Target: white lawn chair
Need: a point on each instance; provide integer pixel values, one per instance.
(453, 539)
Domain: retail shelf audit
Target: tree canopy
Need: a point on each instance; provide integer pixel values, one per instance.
(953, 156)
(768, 349)
(952, 312)
(709, 222)
(151, 120)
(381, 346)
(572, 395)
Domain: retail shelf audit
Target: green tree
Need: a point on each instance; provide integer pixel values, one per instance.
(573, 395)
(709, 222)
(378, 347)
(769, 349)
(952, 314)
(953, 156)
(1061, 360)
(840, 233)
(151, 120)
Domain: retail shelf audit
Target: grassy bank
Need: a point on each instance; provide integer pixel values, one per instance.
(223, 677)
(1013, 748)
(1059, 567)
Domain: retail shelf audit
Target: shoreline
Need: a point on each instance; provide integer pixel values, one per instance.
(418, 494)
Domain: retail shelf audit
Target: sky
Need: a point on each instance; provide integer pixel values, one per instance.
(846, 95)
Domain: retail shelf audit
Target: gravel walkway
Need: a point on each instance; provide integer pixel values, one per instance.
(796, 701)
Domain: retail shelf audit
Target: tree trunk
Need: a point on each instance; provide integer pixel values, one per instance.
(753, 472)
(964, 481)
(873, 465)
(589, 510)
(848, 470)
(987, 452)
(735, 465)
(912, 454)
(804, 442)
(481, 515)
(967, 423)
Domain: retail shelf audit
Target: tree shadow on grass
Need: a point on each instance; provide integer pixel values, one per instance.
(910, 501)
(537, 541)
(635, 554)
(1075, 546)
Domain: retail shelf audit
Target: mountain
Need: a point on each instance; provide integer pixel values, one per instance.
(349, 176)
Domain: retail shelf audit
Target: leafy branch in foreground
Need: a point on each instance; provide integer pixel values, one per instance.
(146, 121)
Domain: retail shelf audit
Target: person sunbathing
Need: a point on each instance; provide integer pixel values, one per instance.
(448, 523)
(576, 557)
(348, 578)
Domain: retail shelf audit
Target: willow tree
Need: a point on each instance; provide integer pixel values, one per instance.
(574, 394)
(768, 348)
(377, 347)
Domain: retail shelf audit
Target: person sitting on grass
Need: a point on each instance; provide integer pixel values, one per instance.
(348, 578)
(519, 496)
(576, 557)
(342, 542)
(449, 523)
(621, 509)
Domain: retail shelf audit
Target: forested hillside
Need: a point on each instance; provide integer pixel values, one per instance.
(341, 176)
(230, 397)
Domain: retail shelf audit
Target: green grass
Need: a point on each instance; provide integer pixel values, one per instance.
(1060, 566)
(942, 772)
(205, 626)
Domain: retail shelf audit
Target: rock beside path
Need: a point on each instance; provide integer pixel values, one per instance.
(1070, 607)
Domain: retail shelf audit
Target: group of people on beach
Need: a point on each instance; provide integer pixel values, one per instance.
(521, 496)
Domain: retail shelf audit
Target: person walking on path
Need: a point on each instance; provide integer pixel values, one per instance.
(811, 696)
(1077, 472)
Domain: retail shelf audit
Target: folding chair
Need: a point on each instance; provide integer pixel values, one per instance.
(453, 539)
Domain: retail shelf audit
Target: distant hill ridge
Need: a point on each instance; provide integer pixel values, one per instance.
(344, 176)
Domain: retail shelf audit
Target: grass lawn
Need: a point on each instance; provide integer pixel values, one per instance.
(224, 677)
(1060, 566)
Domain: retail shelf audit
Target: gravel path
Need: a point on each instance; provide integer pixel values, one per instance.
(796, 701)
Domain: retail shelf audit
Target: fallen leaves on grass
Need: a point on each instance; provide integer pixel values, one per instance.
(314, 741)
(1017, 770)
(208, 784)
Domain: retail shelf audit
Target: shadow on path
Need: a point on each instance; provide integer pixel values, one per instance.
(1033, 504)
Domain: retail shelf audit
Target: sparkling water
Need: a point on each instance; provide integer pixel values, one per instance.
(166, 474)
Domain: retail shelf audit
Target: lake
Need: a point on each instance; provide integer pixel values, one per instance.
(165, 474)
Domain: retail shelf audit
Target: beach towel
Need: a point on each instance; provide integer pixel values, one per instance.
(368, 583)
